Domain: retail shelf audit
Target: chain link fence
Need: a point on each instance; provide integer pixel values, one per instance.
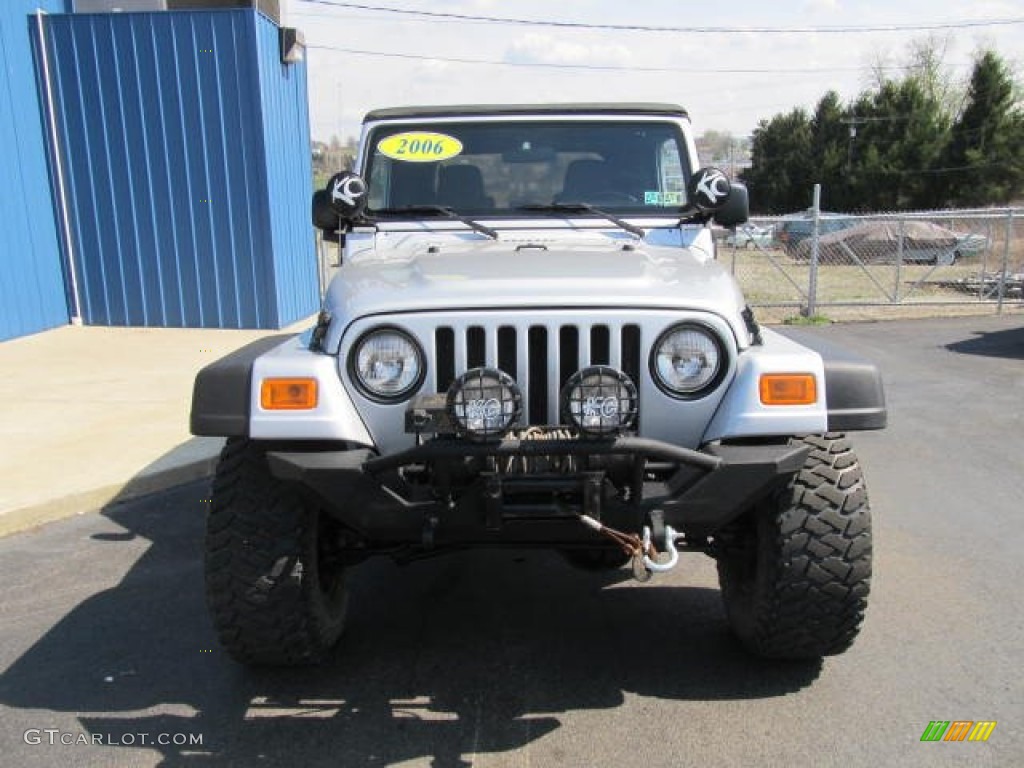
(812, 260)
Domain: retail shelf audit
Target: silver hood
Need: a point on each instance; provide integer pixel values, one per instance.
(456, 276)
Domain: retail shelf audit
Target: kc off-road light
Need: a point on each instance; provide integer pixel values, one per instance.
(387, 364)
(599, 401)
(484, 403)
(687, 361)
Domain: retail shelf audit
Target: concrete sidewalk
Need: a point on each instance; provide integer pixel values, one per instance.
(93, 415)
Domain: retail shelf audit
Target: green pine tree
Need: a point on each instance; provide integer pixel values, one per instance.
(984, 159)
(780, 175)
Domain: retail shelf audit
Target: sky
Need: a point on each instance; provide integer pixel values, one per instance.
(758, 60)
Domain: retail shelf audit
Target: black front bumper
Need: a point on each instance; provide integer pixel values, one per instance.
(470, 501)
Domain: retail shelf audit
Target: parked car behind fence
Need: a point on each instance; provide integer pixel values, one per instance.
(751, 236)
(798, 227)
(888, 241)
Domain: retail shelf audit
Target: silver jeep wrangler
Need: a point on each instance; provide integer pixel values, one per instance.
(530, 343)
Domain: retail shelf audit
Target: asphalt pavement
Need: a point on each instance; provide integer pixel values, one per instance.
(512, 658)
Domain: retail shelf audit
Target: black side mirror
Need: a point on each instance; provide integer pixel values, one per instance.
(325, 218)
(710, 191)
(736, 209)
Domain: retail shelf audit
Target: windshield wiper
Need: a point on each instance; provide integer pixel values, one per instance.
(571, 207)
(445, 211)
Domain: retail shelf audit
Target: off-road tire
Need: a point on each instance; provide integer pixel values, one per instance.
(272, 594)
(795, 583)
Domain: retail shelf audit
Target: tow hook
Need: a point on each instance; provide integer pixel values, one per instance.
(648, 548)
(642, 551)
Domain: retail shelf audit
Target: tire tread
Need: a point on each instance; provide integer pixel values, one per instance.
(811, 590)
(260, 589)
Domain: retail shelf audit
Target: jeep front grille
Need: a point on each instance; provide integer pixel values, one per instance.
(539, 356)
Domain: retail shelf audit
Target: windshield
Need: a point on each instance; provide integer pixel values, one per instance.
(485, 169)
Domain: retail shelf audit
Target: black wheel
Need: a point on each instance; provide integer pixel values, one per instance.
(796, 576)
(275, 590)
(604, 559)
(934, 261)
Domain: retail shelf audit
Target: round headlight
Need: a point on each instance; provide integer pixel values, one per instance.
(688, 361)
(599, 401)
(387, 364)
(484, 403)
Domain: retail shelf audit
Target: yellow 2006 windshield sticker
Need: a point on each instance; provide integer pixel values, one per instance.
(419, 147)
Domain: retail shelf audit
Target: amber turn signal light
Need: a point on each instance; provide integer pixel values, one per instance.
(788, 389)
(288, 394)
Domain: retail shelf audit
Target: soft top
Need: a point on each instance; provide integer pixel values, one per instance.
(470, 110)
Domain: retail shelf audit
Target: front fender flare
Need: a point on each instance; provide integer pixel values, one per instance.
(220, 394)
(226, 396)
(850, 392)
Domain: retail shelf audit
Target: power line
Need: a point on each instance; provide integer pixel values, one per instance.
(856, 120)
(597, 67)
(349, 17)
(652, 28)
(926, 171)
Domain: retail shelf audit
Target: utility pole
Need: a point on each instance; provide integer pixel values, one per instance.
(853, 122)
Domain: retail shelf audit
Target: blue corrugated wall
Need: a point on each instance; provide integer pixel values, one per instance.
(186, 205)
(31, 281)
(289, 165)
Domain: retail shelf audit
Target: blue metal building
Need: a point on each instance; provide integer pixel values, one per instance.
(178, 146)
(186, 144)
(31, 281)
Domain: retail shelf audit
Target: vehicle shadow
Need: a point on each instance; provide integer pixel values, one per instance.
(476, 652)
(1007, 344)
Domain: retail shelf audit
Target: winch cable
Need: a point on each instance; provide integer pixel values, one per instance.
(631, 544)
(541, 433)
